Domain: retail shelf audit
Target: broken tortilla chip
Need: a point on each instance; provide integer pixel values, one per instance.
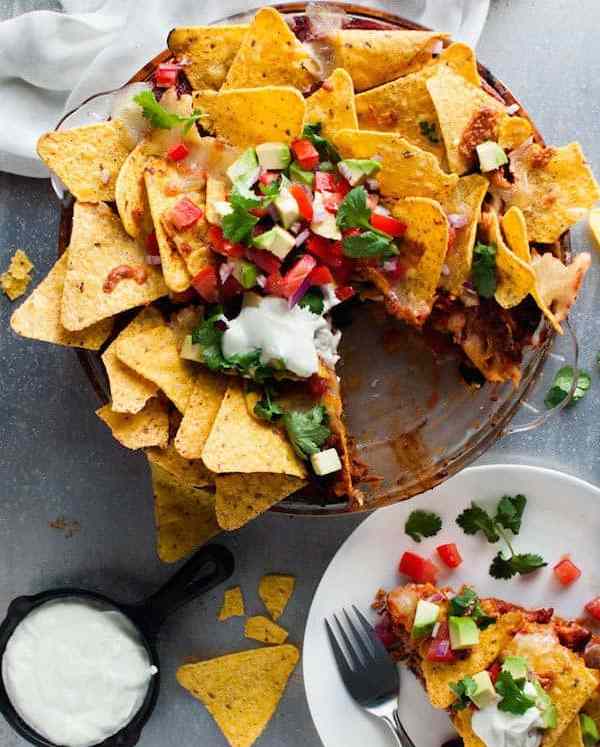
(128, 390)
(87, 159)
(107, 271)
(250, 116)
(373, 57)
(406, 170)
(242, 497)
(185, 471)
(15, 281)
(275, 590)
(208, 52)
(554, 187)
(200, 413)
(558, 285)
(149, 427)
(513, 132)
(233, 604)
(262, 629)
(270, 55)
(154, 355)
(241, 691)
(333, 105)
(239, 443)
(572, 736)
(39, 316)
(184, 516)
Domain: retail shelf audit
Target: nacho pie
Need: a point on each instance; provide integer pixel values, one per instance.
(263, 178)
(506, 675)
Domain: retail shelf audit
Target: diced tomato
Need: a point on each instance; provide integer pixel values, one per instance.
(439, 649)
(329, 252)
(494, 671)
(152, 244)
(231, 287)
(205, 282)
(306, 154)
(593, 608)
(327, 181)
(268, 177)
(178, 152)
(317, 385)
(450, 555)
(351, 232)
(259, 212)
(304, 200)
(222, 246)
(264, 260)
(343, 271)
(388, 224)
(288, 284)
(166, 74)
(184, 214)
(566, 572)
(344, 292)
(320, 276)
(417, 568)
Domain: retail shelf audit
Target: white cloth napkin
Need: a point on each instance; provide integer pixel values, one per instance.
(50, 62)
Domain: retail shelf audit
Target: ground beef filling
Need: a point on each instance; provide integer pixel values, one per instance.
(482, 126)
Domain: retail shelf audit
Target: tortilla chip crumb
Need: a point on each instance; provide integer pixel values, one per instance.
(233, 604)
(276, 590)
(15, 281)
(264, 630)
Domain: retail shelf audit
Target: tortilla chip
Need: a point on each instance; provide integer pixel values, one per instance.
(262, 629)
(466, 200)
(276, 589)
(200, 413)
(98, 246)
(242, 497)
(184, 516)
(154, 355)
(456, 102)
(492, 641)
(241, 691)
(333, 104)
(208, 52)
(239, 443)
(87, 159)
(149, 427)
(233, 604)
(373, 57)
(216, 191)
(128, 390)
(405, 106)
(15, 281)
(39, 316)
(513, 132)
(406, 171)
(250, 116)
(554, 188)
(270, 55)
(572, 736)
(185, 471)
(558, 285)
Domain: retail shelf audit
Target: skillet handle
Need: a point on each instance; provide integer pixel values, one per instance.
(209, 567)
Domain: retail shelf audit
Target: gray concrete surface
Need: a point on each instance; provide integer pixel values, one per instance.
(58, 460)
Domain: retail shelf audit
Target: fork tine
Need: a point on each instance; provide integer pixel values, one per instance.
(355, 659)
(380, 649)
(340, 658)
(367, 654)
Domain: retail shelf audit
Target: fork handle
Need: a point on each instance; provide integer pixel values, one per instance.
(395, 726)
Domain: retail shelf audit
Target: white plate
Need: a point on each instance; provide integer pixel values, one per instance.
(562, 516)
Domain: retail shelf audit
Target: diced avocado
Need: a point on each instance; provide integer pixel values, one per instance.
(220, 209)
(245, 165)
(589, 730)
(325, 225)
(326, 166)
(491, 156)
(273, 156)
(544, 703)
(358, 170)
(191, 351)
(426, 616)
(287, 208)
(278, 241)
(299, 175)
(516, 666)
(464, 632)
(216, 191)
(485, 693)
(245, 273)
(326, 462)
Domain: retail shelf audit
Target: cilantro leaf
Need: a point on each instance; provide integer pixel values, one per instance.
(422, 523)
(266, 408)
(243, 198)
(368, 244)
(326, 150)
(561, 386)
(483, 270)
(307, 431)
(467, 604)
(428, 130)
(514, 699)
(522, 564)
(477, 519)
(270, 192)
(237, 226)
(354, 212)
(160, 117)
(313, 301)
(463, 690)
(509, 513)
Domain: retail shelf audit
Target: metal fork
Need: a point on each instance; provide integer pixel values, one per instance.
(368, 672)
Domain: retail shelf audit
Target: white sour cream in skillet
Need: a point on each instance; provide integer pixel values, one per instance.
(75, 672)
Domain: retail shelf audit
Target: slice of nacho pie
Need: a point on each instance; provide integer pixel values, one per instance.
(505, 674)
(267, 176)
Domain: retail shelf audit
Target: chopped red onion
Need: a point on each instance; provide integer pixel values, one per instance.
(261, 281)
(373, 185)
(301, 237)
(445, 270)
(300, 293)
(390, 265)
(346, 172)
(272, 211)
(437, 47)
(457, 220)
(319, 211)
(512, 109)
(381, 210)
(152, 259)
(296, 227)
(225, 270)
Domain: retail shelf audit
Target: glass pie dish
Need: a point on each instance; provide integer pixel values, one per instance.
(414, 418)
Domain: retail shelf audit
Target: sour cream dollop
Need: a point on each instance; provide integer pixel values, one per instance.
(76, 672)
(295, 336)
(498, 728)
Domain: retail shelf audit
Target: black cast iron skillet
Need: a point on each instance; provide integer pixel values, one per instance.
(209, 567)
